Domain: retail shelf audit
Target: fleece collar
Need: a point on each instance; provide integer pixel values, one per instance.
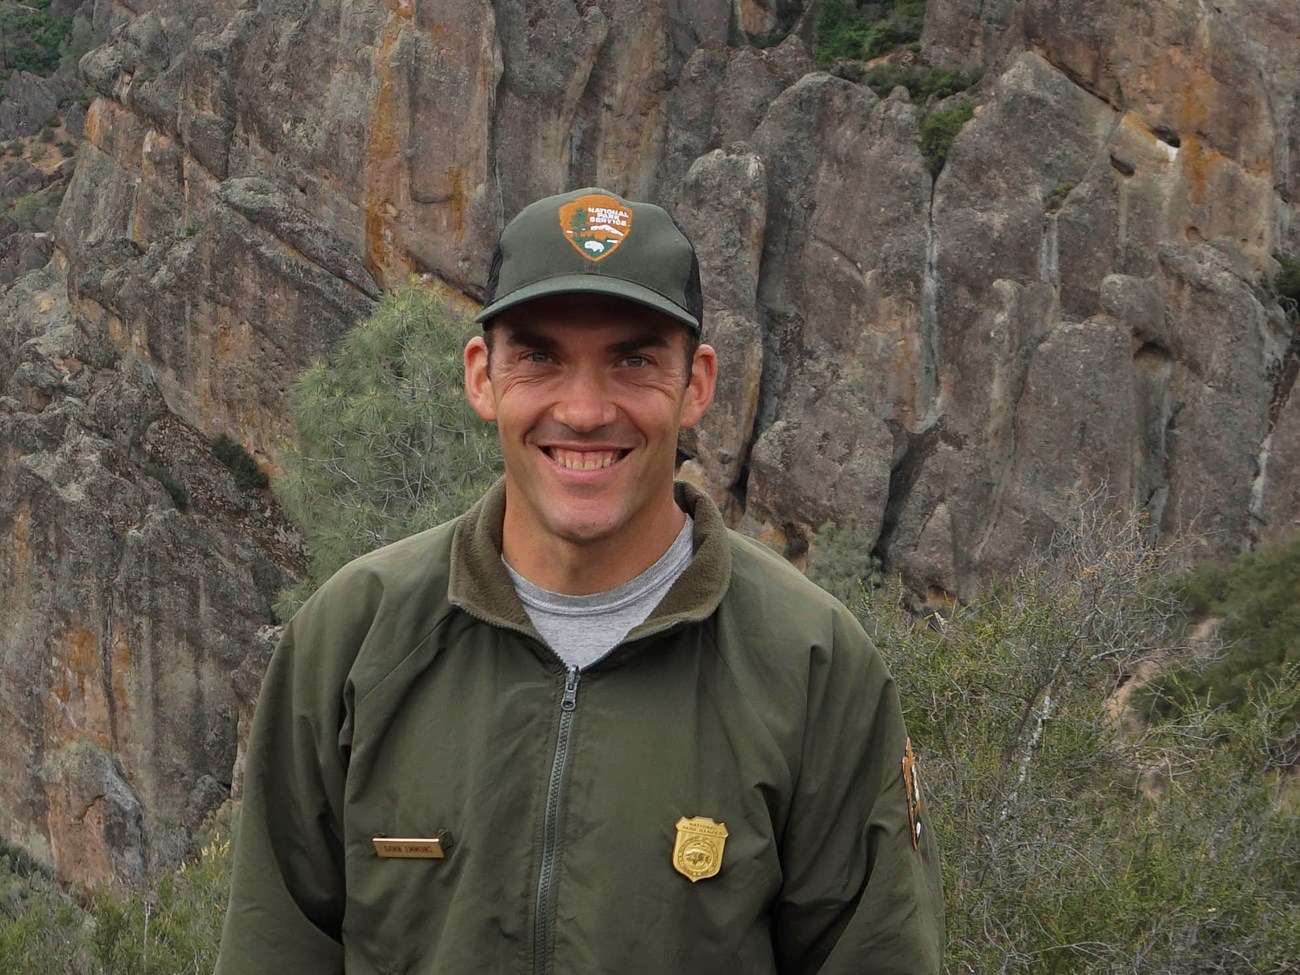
(481, 586)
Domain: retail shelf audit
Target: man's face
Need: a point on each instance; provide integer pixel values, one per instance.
(588, 394)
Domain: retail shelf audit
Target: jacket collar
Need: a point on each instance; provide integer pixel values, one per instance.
(480, 585)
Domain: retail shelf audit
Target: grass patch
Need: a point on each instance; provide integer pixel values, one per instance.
(937, 133)
(248, 476)
(864, 31)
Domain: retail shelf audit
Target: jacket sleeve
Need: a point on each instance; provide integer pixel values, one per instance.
(858, 896)
(287, 887)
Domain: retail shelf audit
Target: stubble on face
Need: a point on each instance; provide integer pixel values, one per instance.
(588, 398)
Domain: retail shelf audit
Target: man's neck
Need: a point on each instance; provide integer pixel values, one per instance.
(591, 566)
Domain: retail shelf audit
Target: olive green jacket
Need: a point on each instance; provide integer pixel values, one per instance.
(411, 697)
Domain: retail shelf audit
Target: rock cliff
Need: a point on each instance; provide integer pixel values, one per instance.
(1078, 301)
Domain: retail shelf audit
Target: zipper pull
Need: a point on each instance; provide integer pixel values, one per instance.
(570, 699)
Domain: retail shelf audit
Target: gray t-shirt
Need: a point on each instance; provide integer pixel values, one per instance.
(582, 629)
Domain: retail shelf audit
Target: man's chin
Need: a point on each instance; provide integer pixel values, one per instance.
(583, 527)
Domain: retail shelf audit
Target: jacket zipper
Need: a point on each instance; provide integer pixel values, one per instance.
(551, 828)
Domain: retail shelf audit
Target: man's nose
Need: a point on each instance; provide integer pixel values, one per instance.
(585, 404)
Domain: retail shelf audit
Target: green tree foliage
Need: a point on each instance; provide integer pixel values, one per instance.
(386, 443)
(842, 561)
(82, 36)
(862, 31)
(1074, 836)
(31, 39)
(938, 132)
(171, 927)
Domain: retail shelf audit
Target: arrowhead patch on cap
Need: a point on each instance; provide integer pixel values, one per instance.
(595, 225)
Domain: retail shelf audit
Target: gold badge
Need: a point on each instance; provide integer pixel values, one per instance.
(595, 225)
(698, 851)
(913, 787)
(409, 847)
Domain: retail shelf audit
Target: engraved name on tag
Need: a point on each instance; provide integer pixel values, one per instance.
(409, 847)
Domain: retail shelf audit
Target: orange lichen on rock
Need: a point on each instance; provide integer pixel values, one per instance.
(382, 174)
(1197, 163)
(22, 552)
(94, 121)
(78, 704)
(76, 831)
(121, 667)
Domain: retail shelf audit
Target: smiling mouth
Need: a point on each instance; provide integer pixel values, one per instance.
(584, 460)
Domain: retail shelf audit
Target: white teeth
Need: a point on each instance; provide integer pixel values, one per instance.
(584, 460)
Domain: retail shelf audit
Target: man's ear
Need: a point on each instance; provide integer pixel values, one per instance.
(699, 391)
(478, 383)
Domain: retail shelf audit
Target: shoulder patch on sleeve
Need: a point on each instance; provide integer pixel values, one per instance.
(913, 788)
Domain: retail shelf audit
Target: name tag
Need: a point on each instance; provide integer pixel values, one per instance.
(409, 847)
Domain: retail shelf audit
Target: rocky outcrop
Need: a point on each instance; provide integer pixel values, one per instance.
(1078, 303)
(133, 574)
(27, 104)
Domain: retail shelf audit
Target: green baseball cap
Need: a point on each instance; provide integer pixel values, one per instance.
(591, 241)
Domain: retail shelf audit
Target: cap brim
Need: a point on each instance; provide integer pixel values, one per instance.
(594, 284)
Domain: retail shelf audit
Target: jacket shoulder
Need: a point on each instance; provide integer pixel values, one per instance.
(378, 606)
(397, 571)
(759, 574)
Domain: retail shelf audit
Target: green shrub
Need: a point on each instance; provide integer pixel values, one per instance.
(67, 149)
(938, 131)
(1257, 598)
(1074, 838)
(1286, 283)
(386, 443)
(248, 476)
(864, 31)
(31, 209)
(842, 561)
(1056, 199)
(921, 82)
(161, 474)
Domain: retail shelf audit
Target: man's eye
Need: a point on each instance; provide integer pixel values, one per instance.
(536, 357)
(635, 361)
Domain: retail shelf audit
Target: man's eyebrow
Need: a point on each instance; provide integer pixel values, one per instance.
(647, 340)
(526, 338)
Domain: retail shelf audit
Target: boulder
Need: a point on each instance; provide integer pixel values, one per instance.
(28, 103)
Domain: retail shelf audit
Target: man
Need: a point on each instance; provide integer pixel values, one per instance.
(583, 728)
